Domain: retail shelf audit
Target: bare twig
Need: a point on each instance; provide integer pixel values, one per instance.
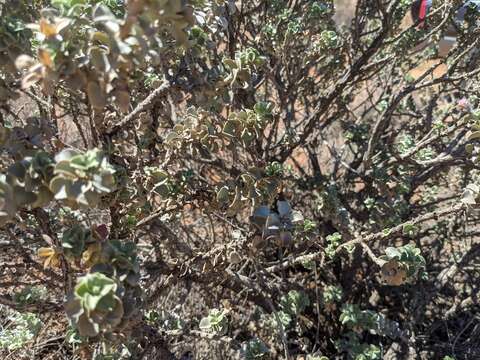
(127, 121)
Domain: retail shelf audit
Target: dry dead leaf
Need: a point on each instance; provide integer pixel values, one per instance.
(51, 257)
(47, 29)
(393, 273)
(45, 58)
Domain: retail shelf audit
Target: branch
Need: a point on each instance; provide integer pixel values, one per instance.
(368, 238)
(144, 105)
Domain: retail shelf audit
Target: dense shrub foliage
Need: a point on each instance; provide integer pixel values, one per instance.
(254, 179)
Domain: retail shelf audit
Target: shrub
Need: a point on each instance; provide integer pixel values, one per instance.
(225, 179)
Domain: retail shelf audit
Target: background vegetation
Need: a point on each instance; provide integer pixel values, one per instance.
(258, 179)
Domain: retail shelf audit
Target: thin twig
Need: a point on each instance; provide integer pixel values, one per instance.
(127, 121)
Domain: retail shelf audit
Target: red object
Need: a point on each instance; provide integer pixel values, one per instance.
(423, 13)
(423, 10)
